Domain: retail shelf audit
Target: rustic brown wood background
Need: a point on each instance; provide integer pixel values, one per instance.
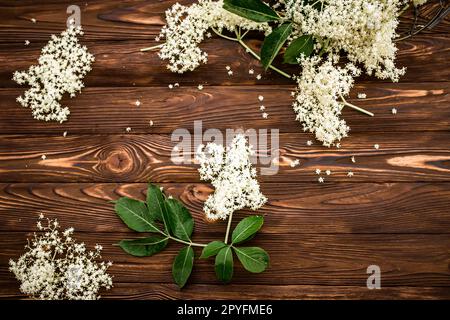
(393, 213)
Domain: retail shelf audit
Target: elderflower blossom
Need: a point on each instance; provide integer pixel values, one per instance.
(316, 103)
(62, 66)
(56, 267)
(230, 172)
(364, 29)
(186, 27)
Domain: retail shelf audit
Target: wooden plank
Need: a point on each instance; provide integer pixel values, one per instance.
(120, 63)
(421, 107)
(294, 207)
(141, 158)
(156, 291)
(342, 260)
(112, 20)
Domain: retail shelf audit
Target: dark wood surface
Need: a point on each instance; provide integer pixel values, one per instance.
(394, 212)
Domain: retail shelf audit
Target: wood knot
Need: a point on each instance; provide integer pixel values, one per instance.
(119, 161)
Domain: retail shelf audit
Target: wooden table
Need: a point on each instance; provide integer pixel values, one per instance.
(394, 212)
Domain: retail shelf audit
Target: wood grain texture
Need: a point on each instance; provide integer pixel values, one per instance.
(297, 207)
(110, 20)
(142, 158)
(316, 259)
(157, 291)
(122, 64)
(321, 237)
(421, 107)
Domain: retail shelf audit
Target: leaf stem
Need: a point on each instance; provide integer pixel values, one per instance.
(345, 103)
(189, 243)
(152, 48)
(227, 233)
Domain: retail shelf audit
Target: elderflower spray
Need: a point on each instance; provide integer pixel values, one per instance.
(61, 68)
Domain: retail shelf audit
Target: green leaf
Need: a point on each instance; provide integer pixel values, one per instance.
(155, 202)
(135, 215)
(273, 43)
(246, 229)
(144, 247)
(254, 10)
(212, 249)
(182, 266)
(180, 220)
(302, 45)
(253, 259)
(224, 264)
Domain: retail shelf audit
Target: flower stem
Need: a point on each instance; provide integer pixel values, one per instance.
(249, 50)
(224, 36)
(152, 48)
(355, 107)
(228, 228)
(254, 54)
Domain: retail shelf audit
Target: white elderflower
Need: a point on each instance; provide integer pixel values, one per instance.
(230, 73)
(258, 77)
(364, 29)
(262, 108)
(55, 267)
(321, 179)
(261, 98)
(137, 103)
(316, 104)
(230, 172)
(362, 96)
(265, 115)
(187, 26)
(295, 163)
(394, 111)
(200, 87)
(350, 174)
(251, 71)
(62, 66)
(376, 146)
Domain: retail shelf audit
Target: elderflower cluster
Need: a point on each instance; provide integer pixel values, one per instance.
(186, 27)
(55, 267)
(230, 172)
(62, 66)
(316, 104)
(364, 29)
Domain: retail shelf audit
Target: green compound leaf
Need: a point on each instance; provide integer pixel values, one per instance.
(144, 247)
(212, 249)
(155, 202)
(273, 43)
(182, 266)
(254, 10)
(253, 259)
(246, 229)
(180, 220)
(224, 264)
(302, 45)
(135, 215)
